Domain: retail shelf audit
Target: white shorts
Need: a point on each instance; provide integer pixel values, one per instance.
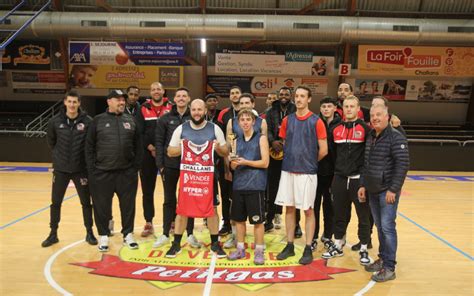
(297, 190)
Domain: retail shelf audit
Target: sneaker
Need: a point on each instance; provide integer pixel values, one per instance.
(173, 251)
(237, 254)
(356, 247)
(277, 221)
(364, 258)
(374, 267)
(217, 249)
(193, 242)
(314, 244)
(298, 232)
(384, 275)
(111, 227)
(50, 240)
(90, 238)
(288, 251)
(225, 230)
(259, 257)
(103, 243)
(147, 229)
(333, 251)
(230, 243)
(130, 242)
(327, 242)
(307, 257)
(268, 227)
(161, 241)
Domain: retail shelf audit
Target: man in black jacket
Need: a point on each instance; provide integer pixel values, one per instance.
(66, 136)
(147, 117)
(331, 119)
(349, 140)
(169, 166)
(385, 168)
(132, 106)
(114, 153)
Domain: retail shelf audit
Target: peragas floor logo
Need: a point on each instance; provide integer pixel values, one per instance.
(192, 265)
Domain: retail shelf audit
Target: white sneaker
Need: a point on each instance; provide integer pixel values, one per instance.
(161, 241)
(193, 242)
(130, 242)
(230, 243)
(277, 221)
(103, 243)
(111, 227)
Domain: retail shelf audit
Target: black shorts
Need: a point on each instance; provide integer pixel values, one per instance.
(249, 204)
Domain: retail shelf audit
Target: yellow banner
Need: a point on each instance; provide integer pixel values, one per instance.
(108, 76)
(416, 61)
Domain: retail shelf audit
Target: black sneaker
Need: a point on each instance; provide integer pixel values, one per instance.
(50, 240)
(384, 275)
(288, 251)
(217, 249)
(333, 251)
(90, 238)
(268, 227)
(298, 232)
(225, 230)
(356, 247)
(173, 251)
(307, 257)
(314, 244)
(374, 267)
(364, 258)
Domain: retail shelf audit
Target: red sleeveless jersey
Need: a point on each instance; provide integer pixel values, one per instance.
(196, 182)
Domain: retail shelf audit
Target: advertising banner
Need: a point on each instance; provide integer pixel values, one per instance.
(416, 61)
(38, 82)
(27, 55)
(439, 91)
(125, 53)
(108, 76)
(292, 63)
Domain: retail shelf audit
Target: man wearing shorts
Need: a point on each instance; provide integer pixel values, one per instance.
(305, 144)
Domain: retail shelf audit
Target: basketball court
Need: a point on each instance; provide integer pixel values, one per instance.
(435, 251)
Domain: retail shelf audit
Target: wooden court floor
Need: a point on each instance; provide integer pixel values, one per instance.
(435, 251)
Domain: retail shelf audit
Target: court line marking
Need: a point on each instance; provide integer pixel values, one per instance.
(210, 275)
(438, 237)
(32, 214)
(366, 288)
(49, 263)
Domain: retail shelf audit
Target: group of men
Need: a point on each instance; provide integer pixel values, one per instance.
(288, 156)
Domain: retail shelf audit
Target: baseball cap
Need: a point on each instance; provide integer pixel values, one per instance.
(116, 93)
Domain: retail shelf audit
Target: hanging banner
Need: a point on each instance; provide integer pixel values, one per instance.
(292, 63)
(38, 82)
(27, 55)
(107, 76)
(125, 53)
(261, 86)
(416, 61)
(367, 89)
(439, 91)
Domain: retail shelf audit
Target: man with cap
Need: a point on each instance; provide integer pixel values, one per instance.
(113, 156)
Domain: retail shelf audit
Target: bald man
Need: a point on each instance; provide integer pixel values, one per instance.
(199, 131)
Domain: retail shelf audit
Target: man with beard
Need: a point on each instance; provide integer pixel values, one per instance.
(225, 177)
(169, 166)
(212, 111)
(150, 111)
(113, 155)
(66, 136)
(279, 110)
(197, 131)
(133, 106)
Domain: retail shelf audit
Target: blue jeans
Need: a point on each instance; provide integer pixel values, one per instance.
(384, 217)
